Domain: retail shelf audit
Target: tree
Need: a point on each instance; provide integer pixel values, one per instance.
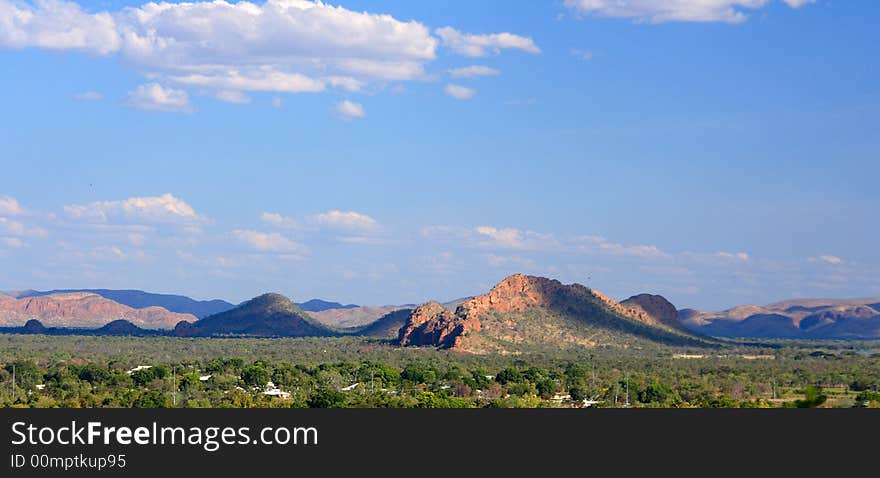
(151, 399)
(142, 377)
(255, 376)
(508, 375)
(327, 399)
(577, 394)
(813, 397)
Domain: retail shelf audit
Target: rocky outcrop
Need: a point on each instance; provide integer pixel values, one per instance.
(431, 324)
(82, 310)
(652, 309)
(525, 309)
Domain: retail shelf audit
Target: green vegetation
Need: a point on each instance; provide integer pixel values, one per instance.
(71, 371)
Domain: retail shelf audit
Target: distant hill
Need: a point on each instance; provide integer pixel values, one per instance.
(354, 317)
(138, 299)
(318, 305)
(82, 310)
(528, 313)
(116, 328)
(269, 315)
(792, 319)
(387, 327)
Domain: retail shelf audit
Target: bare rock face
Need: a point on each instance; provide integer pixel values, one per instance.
(652, 309)
(431, 324)
(82, 310)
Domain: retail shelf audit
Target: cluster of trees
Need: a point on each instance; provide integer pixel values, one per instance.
(447, 381)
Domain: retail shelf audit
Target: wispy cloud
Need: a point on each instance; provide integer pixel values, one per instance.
(155, 97)
(346, 220)
(460, 92)
(9, 206)
(827, 259)
(268, 241)
(473, 71)
(660, 11)
(89, 96)
(349, 110)
(152, 209)
(482, 45)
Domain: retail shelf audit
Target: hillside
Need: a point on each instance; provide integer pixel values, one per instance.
(358, 316)
(82, 309)
(526, 312)
(794, 319)
(318, 305)
(269, 315)
(138, 299)
(387, 327)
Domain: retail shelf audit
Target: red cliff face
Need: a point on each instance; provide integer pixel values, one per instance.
(431, 324)
(82, 310)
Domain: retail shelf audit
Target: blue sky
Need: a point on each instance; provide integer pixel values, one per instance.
(718, 153)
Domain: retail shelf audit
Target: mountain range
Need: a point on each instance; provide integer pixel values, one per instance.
(138, 299)
(800, 319)
(518, 313)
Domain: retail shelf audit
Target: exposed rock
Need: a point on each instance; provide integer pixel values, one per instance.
(431, 324)
(652, 309)
(535, 310)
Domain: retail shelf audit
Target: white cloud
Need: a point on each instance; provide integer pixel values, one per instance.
(473, 71)
(459, 92)
(57, 25)
(89, 96)
(9, 206)
(510, 261)
(349, 110)
(108, 253)
(235, 97)
(277, 220)
(740, 256)
(507, 237)
(482, 45)
(17, 228)
(828, 259)
(659, 11)
(346, 220)
(157, 209)
(264, 79)
(277, 102)
(282, 46)
(268, 242)
(638, 250)
(153, 96)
